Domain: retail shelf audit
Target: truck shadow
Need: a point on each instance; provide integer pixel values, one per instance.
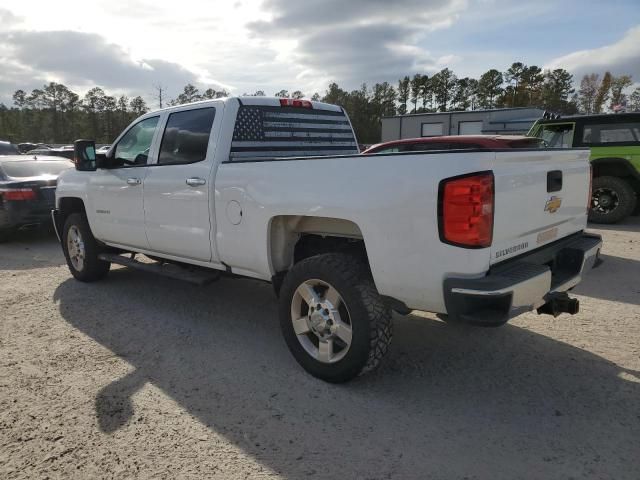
(615, 280)
(449, 401)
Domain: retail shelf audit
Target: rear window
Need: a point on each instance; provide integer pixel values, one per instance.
(611, 133)
(186, 136)
(263, 132)
(26, 168)
(8, 149)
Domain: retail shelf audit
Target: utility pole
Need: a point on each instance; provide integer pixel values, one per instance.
(160, 89)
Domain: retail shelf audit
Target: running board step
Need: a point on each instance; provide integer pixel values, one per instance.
(196, 275)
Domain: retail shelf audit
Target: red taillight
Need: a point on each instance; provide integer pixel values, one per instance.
(294, 102)
(466, 210)
(14, 194)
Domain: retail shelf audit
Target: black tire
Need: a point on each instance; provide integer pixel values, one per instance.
(612, 201)
(92, 268)
(369, 316)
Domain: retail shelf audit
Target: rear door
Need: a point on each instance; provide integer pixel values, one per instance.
(540, 196)
(178, 189)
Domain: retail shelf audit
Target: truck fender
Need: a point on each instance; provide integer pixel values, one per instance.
(616, 167)
(285, 231)
(67, 206)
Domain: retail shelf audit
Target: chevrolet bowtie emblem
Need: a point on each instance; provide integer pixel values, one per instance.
(553, 204)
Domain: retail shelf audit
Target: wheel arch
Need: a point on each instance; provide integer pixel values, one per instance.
(292, 238)
(617, 167)
(67, 206)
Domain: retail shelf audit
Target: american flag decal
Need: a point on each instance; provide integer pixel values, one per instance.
(270, 132)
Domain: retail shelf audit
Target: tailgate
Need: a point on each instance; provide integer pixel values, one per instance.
(540, 196)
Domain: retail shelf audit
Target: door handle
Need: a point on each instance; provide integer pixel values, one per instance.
(133, 181)
(554, 181)
(195, 181)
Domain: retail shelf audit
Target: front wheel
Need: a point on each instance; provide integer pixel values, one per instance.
(332, 317)
(612, 200)
(81, 250)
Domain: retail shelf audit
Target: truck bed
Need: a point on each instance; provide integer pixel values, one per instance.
(393, 200)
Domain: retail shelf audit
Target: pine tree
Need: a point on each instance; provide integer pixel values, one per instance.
(403, 94)
(443, 84)
(588, 91)
(557, 87)
(415, 87)
(514, 76)
(603, 93)
(489, 88)
(618, 97)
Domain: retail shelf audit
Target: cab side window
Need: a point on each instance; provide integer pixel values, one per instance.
(186, 136)
(621, 133)
(133, 148)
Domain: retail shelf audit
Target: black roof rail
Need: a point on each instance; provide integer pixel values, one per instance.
(550, 115)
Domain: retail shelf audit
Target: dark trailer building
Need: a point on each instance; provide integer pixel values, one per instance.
(516, 121)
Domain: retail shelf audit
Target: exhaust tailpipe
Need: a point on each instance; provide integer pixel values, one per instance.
(559, 303)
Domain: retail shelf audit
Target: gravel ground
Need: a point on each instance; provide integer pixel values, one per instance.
(146, 377)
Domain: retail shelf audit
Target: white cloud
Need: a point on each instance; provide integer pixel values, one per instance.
(359, 40)
(621, 57)
(127, 46)
(243, 46)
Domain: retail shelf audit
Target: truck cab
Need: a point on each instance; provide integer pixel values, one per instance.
(614, 141)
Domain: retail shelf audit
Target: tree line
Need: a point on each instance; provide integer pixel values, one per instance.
(55, 114)
(520, 86)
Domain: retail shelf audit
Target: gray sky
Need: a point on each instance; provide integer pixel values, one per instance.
(246, 45)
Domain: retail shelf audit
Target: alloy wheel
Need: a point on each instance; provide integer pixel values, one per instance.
(321, 321)
(75, 247)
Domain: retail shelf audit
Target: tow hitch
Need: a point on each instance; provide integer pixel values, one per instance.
(559, 303)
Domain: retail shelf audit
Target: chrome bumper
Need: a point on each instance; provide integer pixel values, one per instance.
(523, 284)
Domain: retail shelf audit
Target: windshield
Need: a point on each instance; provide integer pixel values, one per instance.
(8, 149)
(27, 168)
(557, 135)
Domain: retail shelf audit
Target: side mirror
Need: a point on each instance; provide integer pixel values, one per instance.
(84, 155)
(105, 160)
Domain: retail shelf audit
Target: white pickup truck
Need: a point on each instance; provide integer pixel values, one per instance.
(275, 189)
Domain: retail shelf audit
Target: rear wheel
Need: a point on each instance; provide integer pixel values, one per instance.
(332, 317)
(612, 200)
(81, 250)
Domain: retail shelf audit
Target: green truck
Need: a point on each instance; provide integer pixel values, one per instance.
(614, 141)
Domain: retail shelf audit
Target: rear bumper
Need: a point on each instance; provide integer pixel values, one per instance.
(523, 284)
